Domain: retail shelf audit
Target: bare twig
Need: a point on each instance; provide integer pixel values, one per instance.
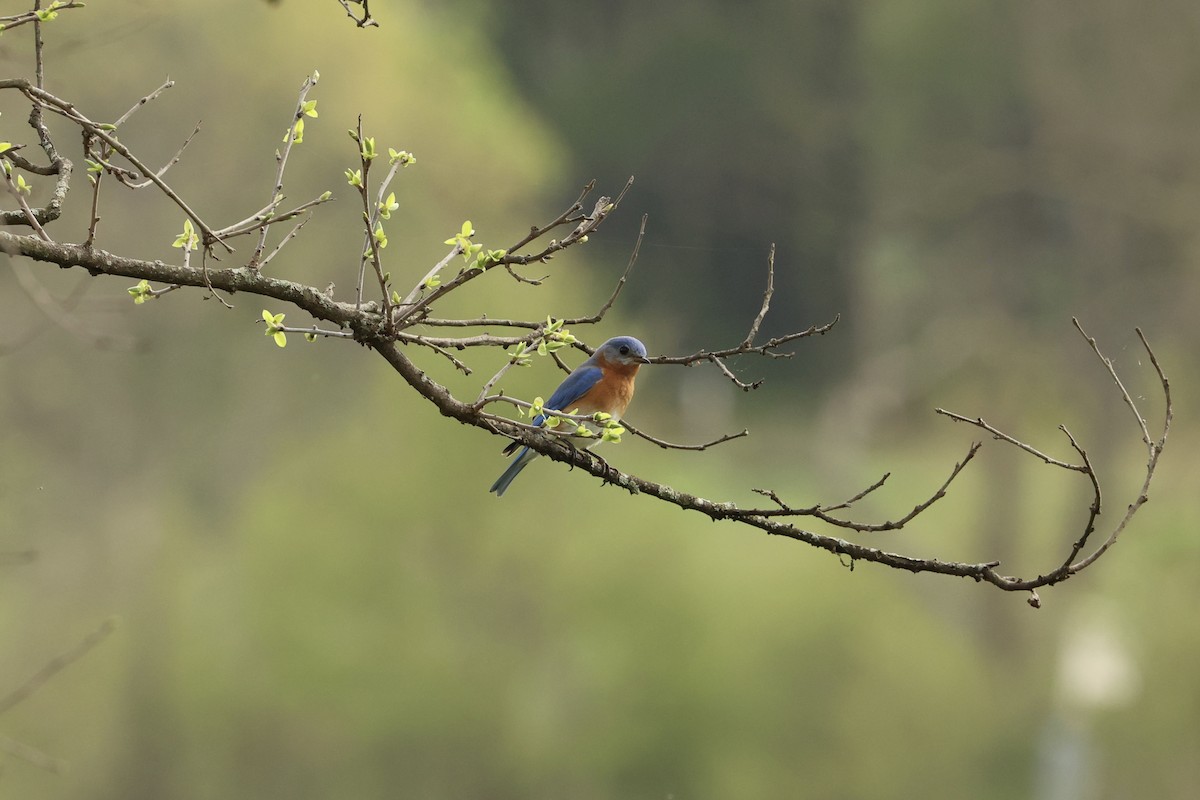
(1108, 365)
(208, 283)
(1154, 448)
(612, 298)
(422, 285)
(264, 218)
(366, 20)
(766, 300)
(768, 349)
(174, 160)
(822, 512)
(859, 496)
(284, 241)
(437, 348)
(729, 437)
(152, 96)
(1001, 435)
(39, 70)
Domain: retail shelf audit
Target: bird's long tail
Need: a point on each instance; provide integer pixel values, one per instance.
(514, 469)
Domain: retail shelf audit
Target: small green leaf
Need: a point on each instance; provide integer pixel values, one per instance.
(612, 433)
(22, 186)
(402, 156)
(141, 292)
(485, 259)
(274, 322)
(463, 240)
(296, 134)
(326, 195)
(354, 177)
(4, 146)
(388, 206)
(312, 337)
(309, 109)
(188, 240)
(368, 148)
(432, 282)
(521, 359)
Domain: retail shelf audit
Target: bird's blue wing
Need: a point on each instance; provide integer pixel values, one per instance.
(575, 386)
(570, 390)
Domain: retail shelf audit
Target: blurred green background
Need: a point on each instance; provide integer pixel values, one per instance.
(317, 595)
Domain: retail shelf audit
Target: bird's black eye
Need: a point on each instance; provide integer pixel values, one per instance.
(624, 349)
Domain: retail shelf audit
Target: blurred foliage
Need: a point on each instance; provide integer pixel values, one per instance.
(320, 598)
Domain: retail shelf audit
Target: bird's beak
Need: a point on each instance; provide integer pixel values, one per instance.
(644, 360)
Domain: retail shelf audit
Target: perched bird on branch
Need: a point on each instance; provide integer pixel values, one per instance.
(603, 383)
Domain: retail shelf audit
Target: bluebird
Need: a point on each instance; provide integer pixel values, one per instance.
(602, 383)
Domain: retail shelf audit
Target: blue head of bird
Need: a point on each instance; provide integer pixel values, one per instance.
(622, 351)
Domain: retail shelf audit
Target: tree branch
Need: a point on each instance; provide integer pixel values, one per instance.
(390, 324)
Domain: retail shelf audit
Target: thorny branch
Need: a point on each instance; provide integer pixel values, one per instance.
(396, 324)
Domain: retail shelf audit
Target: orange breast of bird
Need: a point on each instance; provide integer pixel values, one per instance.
(612, 392)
